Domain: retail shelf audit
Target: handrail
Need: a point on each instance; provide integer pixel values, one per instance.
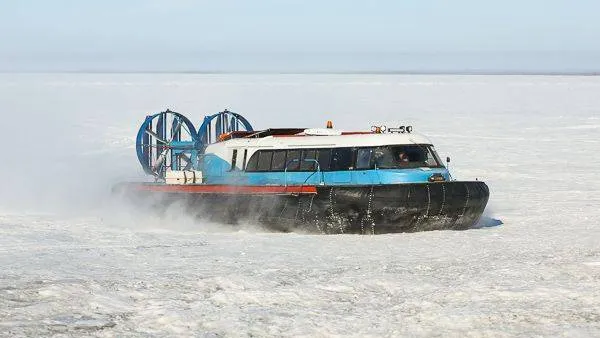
(307, 160)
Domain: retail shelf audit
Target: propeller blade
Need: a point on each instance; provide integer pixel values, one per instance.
(160, 160)
(153, 134)
(175, 130)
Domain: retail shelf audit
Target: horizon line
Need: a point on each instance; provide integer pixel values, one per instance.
(313, 72)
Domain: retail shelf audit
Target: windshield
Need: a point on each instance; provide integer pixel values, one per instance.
(404, 156)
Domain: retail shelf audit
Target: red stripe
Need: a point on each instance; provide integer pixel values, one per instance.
(225, 189)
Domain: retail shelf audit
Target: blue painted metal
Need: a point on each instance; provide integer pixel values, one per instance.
(176, 136)
(165, 140)
(215, 170)
(224, 122)
(168, 138)
(156, 136)
(161, 132)
(145, 153)
(318, 171)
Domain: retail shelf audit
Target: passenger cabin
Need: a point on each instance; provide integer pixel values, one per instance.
(321, 157)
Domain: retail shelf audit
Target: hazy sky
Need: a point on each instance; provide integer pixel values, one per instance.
(560, 35)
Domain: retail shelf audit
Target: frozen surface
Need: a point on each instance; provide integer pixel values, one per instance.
(74, 263)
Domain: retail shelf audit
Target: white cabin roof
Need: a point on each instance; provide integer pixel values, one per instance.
(327, 141)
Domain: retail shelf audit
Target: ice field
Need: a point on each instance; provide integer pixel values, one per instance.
(74, 262)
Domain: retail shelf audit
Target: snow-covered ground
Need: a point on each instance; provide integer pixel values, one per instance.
(74, 263)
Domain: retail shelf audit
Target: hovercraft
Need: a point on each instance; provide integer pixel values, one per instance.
(321, 179)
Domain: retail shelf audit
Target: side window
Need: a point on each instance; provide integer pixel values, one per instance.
(307, 160)
(341, 159)
(293, 160)
(264, 160)
(383, 158)
(363, 158)
(434, 160)
(253, 162)
(244, 160)
(278, 163)
(233, 160)
(415, 154)
(323, 156)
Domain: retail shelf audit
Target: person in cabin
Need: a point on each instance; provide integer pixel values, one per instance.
(403, 159)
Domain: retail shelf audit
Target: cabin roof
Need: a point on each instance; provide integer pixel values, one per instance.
(275, 132)
(345, 139)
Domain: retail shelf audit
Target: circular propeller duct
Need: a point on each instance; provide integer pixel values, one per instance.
(221, 123)
(167, 140)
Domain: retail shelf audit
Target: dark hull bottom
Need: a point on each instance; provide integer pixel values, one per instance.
(339, 209)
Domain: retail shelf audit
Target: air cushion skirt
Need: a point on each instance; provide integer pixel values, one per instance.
(367, 209)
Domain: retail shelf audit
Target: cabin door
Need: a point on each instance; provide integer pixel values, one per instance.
(341, 163)
(238, 164)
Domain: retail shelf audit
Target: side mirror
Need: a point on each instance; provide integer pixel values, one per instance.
(448, 159)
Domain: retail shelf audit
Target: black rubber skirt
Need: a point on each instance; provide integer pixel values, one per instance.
(370, 209)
